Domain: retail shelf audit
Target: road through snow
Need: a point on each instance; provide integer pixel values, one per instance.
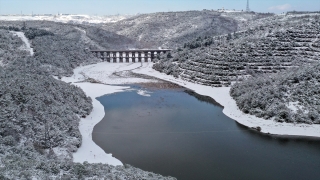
(27, 45)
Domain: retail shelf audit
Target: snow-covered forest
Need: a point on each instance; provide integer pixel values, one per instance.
(39, 115)
(289, 96)
(271, 61)
(171, 29)
(58, 48)
(10, 47)
(110, 40)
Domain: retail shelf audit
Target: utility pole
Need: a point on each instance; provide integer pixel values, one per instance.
(248, 8)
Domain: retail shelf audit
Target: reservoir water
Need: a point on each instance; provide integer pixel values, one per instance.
(173, 133)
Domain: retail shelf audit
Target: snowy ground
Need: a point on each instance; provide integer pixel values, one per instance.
(105, 73)
(77, 19)
(110, 73)
(89, 151)
(27, 45)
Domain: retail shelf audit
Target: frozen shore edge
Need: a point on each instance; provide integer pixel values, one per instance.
(89, 151)
(222, 96)
(92, 153)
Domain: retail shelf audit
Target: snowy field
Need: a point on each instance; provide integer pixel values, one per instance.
(77, 19)
(108, 73)
(89, 151)
(105, 73)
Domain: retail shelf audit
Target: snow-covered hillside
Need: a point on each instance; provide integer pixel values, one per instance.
(171, 29)
(281, 53)
(11, 47)
(164, 29)
(40, 115)
(27, 45)
(264, 48)
(290, 96)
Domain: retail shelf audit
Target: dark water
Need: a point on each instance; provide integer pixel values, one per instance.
(173, 133)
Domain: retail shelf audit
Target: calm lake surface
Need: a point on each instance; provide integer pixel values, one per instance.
(175, 134)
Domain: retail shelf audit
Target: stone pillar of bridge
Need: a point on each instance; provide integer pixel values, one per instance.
(100, 55)
(152, 55)
(127, 56)
(133, 56)
(114, 57)
(139, 56)
(121, 57)
(108, 56)
(104, 56)
(146, 56)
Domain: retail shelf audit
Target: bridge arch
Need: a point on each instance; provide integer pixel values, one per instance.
(125, 55)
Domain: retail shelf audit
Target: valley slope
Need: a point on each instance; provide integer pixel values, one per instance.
(40, 115)
(171, 29)
(272, 66)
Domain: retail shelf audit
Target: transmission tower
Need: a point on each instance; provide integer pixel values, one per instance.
(248, 8)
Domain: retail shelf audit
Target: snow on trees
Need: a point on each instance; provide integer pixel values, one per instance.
(39, 115)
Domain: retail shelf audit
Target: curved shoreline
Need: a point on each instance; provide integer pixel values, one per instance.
(89, 151)
(102, 72)
(221, 95)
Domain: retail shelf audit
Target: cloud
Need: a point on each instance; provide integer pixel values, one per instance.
(280, 7)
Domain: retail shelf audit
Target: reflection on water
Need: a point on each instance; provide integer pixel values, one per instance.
(188, 137)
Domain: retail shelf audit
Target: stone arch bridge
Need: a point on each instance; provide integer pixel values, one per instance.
(121, 56)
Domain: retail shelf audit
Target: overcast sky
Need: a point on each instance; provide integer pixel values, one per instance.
(112, 7)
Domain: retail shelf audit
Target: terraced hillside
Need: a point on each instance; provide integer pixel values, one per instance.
(170, 29)
(273, 44)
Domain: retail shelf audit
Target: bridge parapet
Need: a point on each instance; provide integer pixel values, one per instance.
(125, 55)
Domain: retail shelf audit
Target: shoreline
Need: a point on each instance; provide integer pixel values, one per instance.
(104, 73)
(89, 151)
(221, 96)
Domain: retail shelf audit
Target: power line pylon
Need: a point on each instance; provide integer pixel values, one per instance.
(248, 8)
